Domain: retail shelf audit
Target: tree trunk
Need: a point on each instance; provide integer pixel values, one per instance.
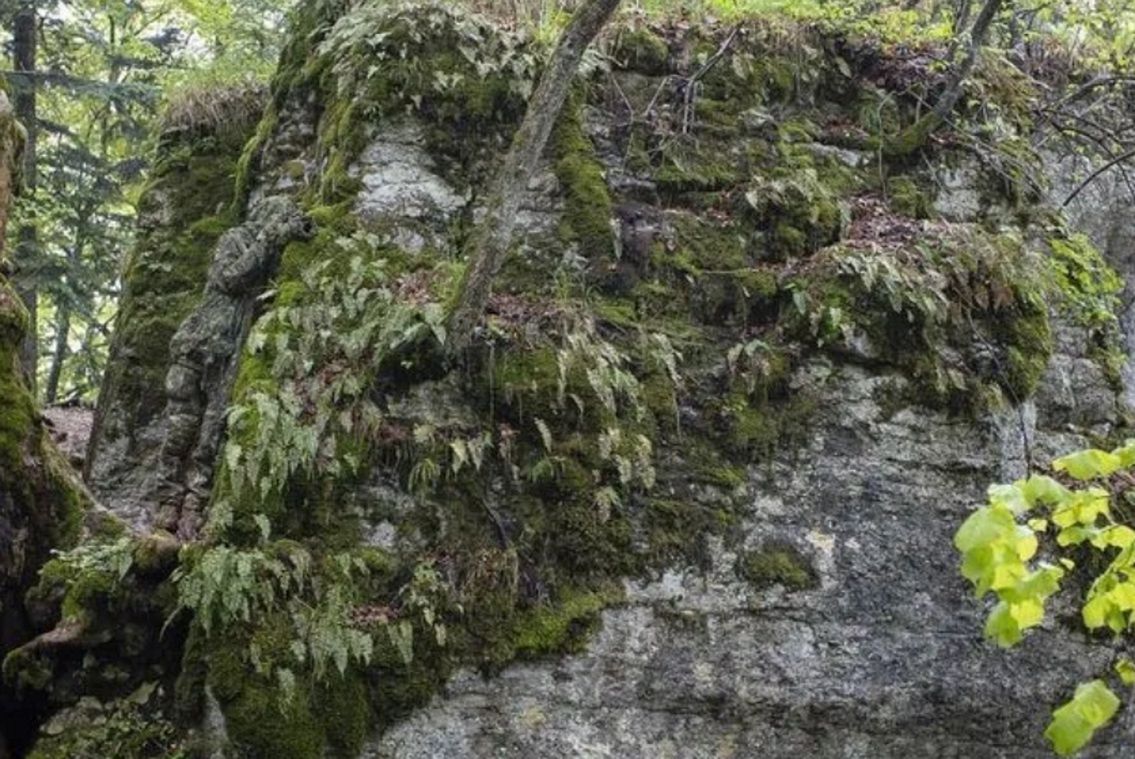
(24, 40)
(916, 135)
(58, 354)
(493, 237)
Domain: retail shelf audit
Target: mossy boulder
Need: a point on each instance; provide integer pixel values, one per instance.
(635, 380)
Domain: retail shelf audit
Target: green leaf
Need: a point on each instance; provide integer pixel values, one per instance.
(1125, 668)
(1009, 496)
(1126, 454)
(1089, 464)
(1074, 723)
(264, 525)
(1095, 612)
(1002, 627)
(983, 527)
(1040, 488)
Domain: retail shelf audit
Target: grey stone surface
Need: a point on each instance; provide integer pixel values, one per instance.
(400, 181)
(1102, 211)
(883, 659)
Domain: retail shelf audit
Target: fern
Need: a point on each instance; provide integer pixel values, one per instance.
(324, 347)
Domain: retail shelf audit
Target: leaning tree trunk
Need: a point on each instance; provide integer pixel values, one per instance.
(916, 135)
(491, 240)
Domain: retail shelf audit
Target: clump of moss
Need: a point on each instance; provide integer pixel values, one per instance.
(589, 216)
(777, 564)
(274, 710)
(964, 316)
(17, 416)
(1088, 286)
(704, 270)
(133, 727)
(907, 198)
(642, 50)
(798, 212)
(676, 529)
(1027, 335)
(465, 111)
(563, 627)
(688, 169)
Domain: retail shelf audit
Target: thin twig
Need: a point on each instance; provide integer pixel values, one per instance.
(1099, 141)
(1095, 175)
(692, 82)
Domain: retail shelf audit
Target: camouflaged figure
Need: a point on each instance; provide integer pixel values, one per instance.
(203, 358)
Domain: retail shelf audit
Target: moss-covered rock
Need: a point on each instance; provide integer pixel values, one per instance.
(777, 564)
(606, 422)
(42, 502)
(589, 219)
(184, 208)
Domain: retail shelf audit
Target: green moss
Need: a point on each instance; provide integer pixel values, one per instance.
(705, 271)
(1088, 286)
(184, 209)
(1028, 337)
(799, 213)
(342, 706)
(677, 529)
(589, 214)
(661, 399)
(263, 720)
(750, 430)
(908, 199)
(641, 50)
(27, 669)
(777, 564)
(525, 384)
(562, 627)
(249, 161)
(17, 414)
(688, 168)
(473, 116)
(156, 553)
(704, 245)
(263, 724)
(134, 727)
(721, 475)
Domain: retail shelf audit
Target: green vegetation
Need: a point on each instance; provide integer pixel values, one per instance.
(1038, 532)
(635, 372)
(777, 565)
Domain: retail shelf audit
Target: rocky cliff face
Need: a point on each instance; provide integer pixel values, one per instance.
(692, 491)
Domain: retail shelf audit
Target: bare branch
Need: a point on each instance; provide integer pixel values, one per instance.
(1096, 174)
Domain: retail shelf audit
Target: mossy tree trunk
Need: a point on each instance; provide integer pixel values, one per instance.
(916, 135)
(491, 240)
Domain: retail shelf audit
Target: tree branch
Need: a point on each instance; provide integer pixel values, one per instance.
(493, 237)
(1096, 174)
(916, 135)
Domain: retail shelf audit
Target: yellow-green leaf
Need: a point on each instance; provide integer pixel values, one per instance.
(1089, 464)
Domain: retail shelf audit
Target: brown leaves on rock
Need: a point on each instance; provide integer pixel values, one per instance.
(874, 223)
